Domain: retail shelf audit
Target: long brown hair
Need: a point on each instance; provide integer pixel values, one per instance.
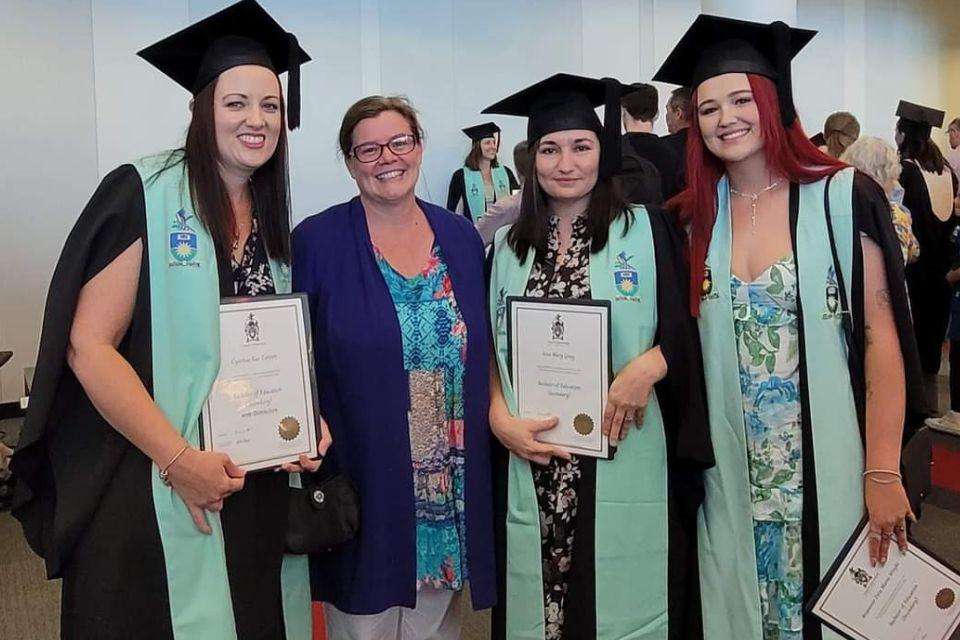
(532, 228)
(917, 145)
(472, 161)
(269, 184)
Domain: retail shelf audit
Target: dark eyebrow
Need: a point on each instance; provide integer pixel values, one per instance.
(235, 94)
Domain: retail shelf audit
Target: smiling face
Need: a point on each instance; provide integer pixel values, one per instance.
(248, 117)
(954, 132)
(728, 117)
(567, 164)
(391, 177)
(489, 147)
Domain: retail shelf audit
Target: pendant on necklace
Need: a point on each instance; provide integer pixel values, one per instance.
(754, 200)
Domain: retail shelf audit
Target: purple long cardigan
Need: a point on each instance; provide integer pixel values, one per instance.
(364, 397)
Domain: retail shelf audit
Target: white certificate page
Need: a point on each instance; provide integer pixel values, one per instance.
(912, 597)
(260, 411)
(560, 367)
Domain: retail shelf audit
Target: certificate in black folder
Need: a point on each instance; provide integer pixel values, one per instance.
(914, 596)
(262, 408)
(560, 366)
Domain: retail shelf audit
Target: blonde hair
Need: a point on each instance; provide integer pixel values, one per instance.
(840, 131)
(875, 157)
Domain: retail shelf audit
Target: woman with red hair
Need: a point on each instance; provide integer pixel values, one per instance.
(799, 288)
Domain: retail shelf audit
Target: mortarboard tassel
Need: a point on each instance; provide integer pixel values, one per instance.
(293, 84)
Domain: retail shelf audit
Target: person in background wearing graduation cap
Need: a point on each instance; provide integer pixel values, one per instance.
(809, 354)
(153, 537)
(597, 549)
(396, 290)
(929, 189)
(482, 180)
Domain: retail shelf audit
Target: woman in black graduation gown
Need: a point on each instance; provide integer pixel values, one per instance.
(587, 548)
(809, 354)
(929, 187)
(482, 180)
(195, 552)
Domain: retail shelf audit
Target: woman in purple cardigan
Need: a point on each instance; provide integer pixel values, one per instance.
(397, 299)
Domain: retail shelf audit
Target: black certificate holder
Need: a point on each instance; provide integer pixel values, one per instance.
(828, 577)
(612, 449)
(308, 335)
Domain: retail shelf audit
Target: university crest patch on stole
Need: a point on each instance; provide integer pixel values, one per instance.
(626, 278)
(707, 290)
(831, 294)
(183, 241)
(501, 309)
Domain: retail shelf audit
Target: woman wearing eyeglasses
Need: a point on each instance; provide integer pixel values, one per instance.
(396, 291)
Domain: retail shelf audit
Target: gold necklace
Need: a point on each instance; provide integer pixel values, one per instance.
(236, 236)
(754, 199)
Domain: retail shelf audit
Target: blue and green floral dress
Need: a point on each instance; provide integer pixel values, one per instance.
(765, 320)
(434, 355)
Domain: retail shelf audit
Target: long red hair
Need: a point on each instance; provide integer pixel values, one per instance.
(788, 153)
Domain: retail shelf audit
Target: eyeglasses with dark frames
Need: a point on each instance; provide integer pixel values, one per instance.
(399, 145)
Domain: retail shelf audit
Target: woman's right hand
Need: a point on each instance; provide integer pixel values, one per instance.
(519, 436)
(203, 479)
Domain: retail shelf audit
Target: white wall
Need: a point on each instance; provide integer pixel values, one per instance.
(82, 102)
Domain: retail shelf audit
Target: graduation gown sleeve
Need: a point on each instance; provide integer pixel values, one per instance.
(67, 452)
(639, 179)
(456, 192)
(683, 403)
(513, 179)
(873, 220)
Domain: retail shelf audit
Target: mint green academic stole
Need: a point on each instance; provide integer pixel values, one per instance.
(185, 335)
(728, 566)
(631, 491)
(473, 189)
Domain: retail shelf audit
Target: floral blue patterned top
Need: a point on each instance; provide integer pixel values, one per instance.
(765, 320)
(434, 355)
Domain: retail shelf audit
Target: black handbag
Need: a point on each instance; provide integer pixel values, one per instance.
(323, 514)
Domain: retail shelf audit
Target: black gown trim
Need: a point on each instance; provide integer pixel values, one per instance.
(810, 527)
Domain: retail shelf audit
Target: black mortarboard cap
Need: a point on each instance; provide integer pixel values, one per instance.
(243, 33)
(920, 114)
(713, 46)
(481, 131)
(563, 102)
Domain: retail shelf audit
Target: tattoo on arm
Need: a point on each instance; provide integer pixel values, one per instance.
(883, 298)
(867, 338)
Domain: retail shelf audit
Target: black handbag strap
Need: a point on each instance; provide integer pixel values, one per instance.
(846, 316)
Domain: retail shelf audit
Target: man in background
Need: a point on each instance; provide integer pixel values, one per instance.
(639, 110)
(679, 113)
